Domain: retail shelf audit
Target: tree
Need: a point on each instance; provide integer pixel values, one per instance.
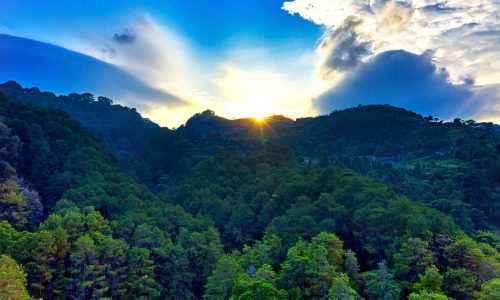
(112, 264)
(379, 284)
(149, 237)
(47, 268)
(225, 273)
(459, 283)
(12, 280)
(174, 272)
(308, 266)
(341, 289)
(333, 245)
(266, 251)
(489, 290)
(9, 150)
(86, 279)
(351, 265)
(13, 206)
(424, 295)
(429, 286)
(202, 250)
(141, 282)
(412, 260)
(266, 273)
(33, 201)
(464, 253)
(248, 288)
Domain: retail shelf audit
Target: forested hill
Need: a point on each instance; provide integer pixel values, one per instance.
(259, 220)
(451, 166)
(132, 137)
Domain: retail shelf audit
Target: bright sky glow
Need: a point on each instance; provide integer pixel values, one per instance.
(258, 58)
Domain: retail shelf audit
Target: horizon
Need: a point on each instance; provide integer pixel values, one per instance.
(296, 58)
(254, 118)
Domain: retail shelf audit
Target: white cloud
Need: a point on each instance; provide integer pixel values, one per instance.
(145, 49)
(461, 36)
(464, 35)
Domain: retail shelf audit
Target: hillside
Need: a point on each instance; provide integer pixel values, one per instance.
(255, 220)
(422, 158)
(132, 137)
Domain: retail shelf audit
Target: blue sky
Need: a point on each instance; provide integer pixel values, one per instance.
(173, 58)
(208, 24)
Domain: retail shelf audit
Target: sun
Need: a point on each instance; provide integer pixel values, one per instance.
(259, 104)
(257, 110)
(259, 117)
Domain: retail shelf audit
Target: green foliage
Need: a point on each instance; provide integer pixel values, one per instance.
(85, 276)
(141, 282)
(489, 290)
(13, 205)
(275, 204)
(266, 251)
(412, 260)
(225, 273)
(380, 284)
(427, 296)
(459, 283)
(248, 288)
(430, 281)
(12, 280)
(145, 149)
(351, 265)
(47, 268)
(341, 289)
(306, 268)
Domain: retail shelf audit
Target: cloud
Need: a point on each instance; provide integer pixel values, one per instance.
(489, 96)
(126, 37)
(57, 69)
(464, 34)
(148, 50)
(342, 49)
(412, 81)
(457, 42)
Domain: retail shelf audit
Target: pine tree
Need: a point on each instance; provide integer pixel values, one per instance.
(12, 280)
(379, 284)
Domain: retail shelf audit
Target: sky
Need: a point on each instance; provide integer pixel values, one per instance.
(171, 59)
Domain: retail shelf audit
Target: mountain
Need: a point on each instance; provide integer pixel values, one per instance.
(420, 157)
(132, 137)
(253, 219)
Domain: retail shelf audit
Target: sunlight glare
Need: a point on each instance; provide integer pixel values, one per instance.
(259, 94)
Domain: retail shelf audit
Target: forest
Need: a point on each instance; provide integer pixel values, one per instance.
(371, 202)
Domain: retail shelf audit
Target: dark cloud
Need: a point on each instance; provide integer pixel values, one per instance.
(343, 48)
(32, 63)
(126, 37)
(107, 51)
(402, 79)
(439, 7)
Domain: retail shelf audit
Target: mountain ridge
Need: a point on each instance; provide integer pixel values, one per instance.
(270, 219)
(412, 153)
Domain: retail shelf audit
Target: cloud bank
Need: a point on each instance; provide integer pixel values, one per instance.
(461, 37)
(464, 34)
(402, 79)
(57, 69)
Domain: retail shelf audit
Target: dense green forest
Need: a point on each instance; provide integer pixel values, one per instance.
(451, 166)
(373, 202)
